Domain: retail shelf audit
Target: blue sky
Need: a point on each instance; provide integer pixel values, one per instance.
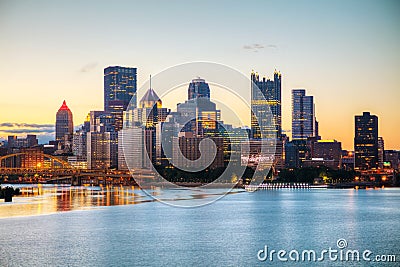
(345, 53)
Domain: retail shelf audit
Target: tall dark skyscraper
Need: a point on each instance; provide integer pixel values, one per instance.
(198, 112)
(366, 142)
(64, 122)
(198, 88)
(119, 87)
(267, 97)
(303, 115)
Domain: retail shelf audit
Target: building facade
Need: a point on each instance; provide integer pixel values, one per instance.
(303, 115)
(198, 88)
(120, 85)
(266, 102)
(15, 142)
(366, 142)
(64, 123)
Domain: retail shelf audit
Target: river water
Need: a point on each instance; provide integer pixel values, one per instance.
(123, 226)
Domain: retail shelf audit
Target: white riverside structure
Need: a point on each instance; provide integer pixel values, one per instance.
(271, 186)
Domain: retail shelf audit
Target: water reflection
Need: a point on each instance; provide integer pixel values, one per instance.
(43, 199)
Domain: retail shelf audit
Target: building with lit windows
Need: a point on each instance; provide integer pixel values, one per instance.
(381, 152)
(265, 101)
(392, 157)
(102, 150)
(32, 158)
(366, 142)
(17, 142)
(64, 123)
(326, 153)
(144, 122)
(189, 147)
(120, 87)
(198, 88)
(303, 115)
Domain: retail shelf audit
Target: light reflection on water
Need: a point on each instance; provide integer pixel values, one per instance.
(229, 232)
(41, 199)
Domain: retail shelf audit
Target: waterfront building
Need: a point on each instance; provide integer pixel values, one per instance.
(120, 85)
(392, 157)
(32, 158)
(296, 152)
(366, 142)
(189, 147)
(347, 160)
(330, 151)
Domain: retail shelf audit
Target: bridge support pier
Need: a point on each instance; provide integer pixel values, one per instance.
(76, 180)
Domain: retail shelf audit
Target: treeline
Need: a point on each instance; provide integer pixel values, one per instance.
(208, 175)
(307, 175)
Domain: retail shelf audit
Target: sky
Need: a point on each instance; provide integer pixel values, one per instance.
(344, 53)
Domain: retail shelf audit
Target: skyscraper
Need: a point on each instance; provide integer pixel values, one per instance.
(141, 126)
(64, 123)
(265, 96)
(366, 142)
(199, 114)
(119, 89)
(303, 115)
(198, 88)
(381, 151)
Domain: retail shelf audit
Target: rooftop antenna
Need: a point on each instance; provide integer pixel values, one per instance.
(150, 81)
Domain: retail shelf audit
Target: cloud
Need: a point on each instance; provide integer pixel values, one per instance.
(26, 128)
(27, 131)
(28, 125)
(257, 47)
(88, 67)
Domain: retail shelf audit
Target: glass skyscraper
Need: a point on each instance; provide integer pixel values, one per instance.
(266, 94)
(64, 123)
(119, 88)
(198, 88)
(366, 142)
(303, 115)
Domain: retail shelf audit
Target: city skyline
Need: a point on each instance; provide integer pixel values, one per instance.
(343, 68)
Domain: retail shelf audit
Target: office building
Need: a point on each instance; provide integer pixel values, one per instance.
(64, 123)
(326, 153)
(120, 87)
(198, 88)
(392, 157)
(347, 160)
(366, 142)
(303, 115)
(16, 142)
(102, 150)
(266, 102)
(189, 147)
(32, 158)
(381, 152)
